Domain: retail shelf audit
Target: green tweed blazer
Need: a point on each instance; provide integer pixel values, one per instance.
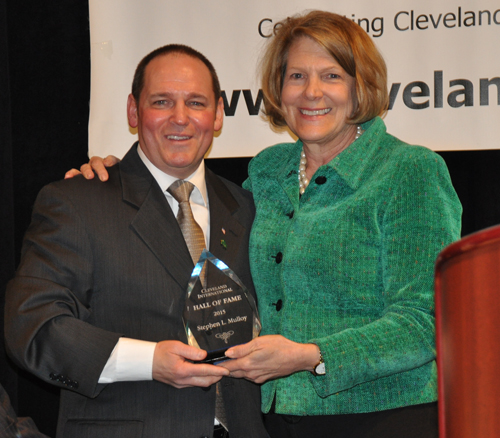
(350, 266)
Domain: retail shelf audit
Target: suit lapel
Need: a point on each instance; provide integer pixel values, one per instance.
(157, 226)
(154, 222)
(286, 174)
(225, 230)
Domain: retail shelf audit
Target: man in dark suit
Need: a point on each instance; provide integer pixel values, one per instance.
(96, 303)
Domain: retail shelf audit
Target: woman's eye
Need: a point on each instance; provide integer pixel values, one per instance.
(294, 76)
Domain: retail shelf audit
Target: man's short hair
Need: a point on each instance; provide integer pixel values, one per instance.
(138, 82)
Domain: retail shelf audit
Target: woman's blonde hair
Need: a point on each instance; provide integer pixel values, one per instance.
(346, 42)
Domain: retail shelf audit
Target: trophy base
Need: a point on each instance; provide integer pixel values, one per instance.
(215, 356)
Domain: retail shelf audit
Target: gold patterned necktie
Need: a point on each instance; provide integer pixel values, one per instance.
(192, 232)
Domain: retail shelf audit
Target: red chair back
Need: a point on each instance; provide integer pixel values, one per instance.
(467, 286)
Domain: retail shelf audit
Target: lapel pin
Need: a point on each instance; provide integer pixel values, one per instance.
(223, 244)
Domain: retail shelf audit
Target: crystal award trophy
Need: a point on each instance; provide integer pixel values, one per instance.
(220, 312)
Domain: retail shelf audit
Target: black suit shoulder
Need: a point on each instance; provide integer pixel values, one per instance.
(235, 197)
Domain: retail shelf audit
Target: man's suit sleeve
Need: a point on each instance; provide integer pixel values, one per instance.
(48, 301)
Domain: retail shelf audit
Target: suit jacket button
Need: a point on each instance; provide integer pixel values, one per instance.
(290, 215)
(279, 257)
(278, 304)
(320, 180)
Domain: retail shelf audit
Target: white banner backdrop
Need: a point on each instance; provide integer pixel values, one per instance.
(443, 60)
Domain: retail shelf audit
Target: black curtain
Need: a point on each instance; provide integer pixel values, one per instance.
(7, 265)
(44, 95)
(44, 89)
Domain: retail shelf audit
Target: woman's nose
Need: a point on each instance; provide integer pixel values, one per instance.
(313, 88)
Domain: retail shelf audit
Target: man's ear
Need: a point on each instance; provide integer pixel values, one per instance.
(133, 119)
(219, 115)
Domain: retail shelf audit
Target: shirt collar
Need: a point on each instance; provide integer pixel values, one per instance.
(197, 178)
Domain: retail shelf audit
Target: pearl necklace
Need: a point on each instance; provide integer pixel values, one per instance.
(303, 181)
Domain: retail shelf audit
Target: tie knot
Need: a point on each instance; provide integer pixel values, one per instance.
(181, 190)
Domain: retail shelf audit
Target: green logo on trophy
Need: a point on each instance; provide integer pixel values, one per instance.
(220, 312)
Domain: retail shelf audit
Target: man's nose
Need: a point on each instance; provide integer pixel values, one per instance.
(180, 115)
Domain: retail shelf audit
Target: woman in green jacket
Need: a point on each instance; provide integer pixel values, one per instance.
(349, 223)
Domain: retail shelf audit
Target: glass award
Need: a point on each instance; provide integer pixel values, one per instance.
(220, 312)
